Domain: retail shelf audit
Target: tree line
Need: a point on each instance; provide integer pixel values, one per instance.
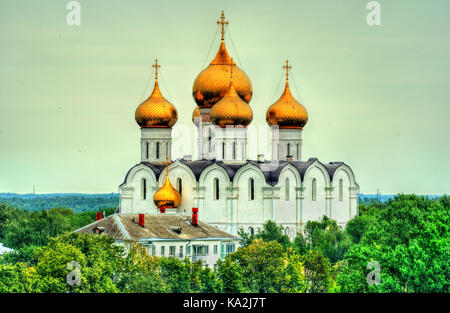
(408, 237)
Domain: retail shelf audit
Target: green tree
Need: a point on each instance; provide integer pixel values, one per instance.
(317, 271)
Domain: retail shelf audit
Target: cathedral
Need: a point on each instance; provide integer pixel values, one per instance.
(229, 190)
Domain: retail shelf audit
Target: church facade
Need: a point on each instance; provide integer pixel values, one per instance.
(229, 190)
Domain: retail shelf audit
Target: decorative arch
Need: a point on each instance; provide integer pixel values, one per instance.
(173, 166)
(289, 168)
(323, 170)
(136, 169)
(249, 167)
(349, 172)
(210, 169)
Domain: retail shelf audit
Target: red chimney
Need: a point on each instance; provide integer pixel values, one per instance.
(194, 220)
(141, 220)
(98, 216)
(162, 209)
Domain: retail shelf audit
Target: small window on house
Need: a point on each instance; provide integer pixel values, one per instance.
(180, 255)
(188, 250)
(144, 188)
(298, 156)
(289, 149)
(163, 250)
(216, 189)
(314, 189)
(234, 150)
(215, 249)
(157, 150)
(341, 189)
(146, 149)
(286, 189)
(179, 185)
(251, 189)
(172, 251)
(251, 230)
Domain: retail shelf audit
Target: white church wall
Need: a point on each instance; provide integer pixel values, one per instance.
(286, 205)
(315, 209)
(341, 201)
(214, 210)
(135, 183)
(247, 210)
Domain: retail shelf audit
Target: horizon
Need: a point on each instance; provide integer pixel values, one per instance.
(376, 96)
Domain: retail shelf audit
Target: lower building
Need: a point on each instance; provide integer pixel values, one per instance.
(169, 235)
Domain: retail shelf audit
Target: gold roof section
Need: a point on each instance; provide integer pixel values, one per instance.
(156, 111)
(167, 195)
(287, 112)
(231, 109)
(212, 83)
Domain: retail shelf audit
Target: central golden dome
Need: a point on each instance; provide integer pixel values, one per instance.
(231, 109)
(167, 195)
(287, 112)
(212, 83)
(156, 111)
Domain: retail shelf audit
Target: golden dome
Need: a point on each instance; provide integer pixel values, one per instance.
(156, 111)
(212, 83)
(231, 109)
(287, 112)
(167, 195)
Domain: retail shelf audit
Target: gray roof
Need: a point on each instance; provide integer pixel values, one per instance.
(156, 226)
(271, 176)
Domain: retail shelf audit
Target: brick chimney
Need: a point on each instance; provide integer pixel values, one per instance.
(289, 157)
(98, 216)
(162, 209)
(141, 220)
(194, 220)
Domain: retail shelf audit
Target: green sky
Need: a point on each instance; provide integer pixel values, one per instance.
(377, 96)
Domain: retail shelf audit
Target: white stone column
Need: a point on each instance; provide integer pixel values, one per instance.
(206, 141)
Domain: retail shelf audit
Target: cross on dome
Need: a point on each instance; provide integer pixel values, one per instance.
(287, 67)
(223, 23)
(156, 66)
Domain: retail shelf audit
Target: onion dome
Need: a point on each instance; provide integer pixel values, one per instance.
(212, 83)
(156, 111)
(231, 109)
(287, 112)
(167, 195)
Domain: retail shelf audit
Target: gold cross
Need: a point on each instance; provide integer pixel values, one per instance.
(156, 66)
(223, 22)
(287, 67)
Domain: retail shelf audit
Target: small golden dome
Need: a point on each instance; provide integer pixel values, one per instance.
(287, 112)
(231, 109)
(212, 83)
(195, 113)
(156, 111)
(167, 195)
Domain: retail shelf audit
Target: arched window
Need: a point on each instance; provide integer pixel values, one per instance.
(314, 189)
(146, 149)
(157, 150)
(341, 189)
(251, 189)
(209, 139)
(179, 185)
(223, 150)
(288, 149)
(216, 189)
(234, 150)
(298, 156)
(144, 188)
(286, 189)
(251, 230)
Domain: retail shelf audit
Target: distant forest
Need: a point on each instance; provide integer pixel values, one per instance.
(83, 202)
(77, 202)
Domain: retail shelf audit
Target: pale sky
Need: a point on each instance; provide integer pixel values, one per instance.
(377, 96)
